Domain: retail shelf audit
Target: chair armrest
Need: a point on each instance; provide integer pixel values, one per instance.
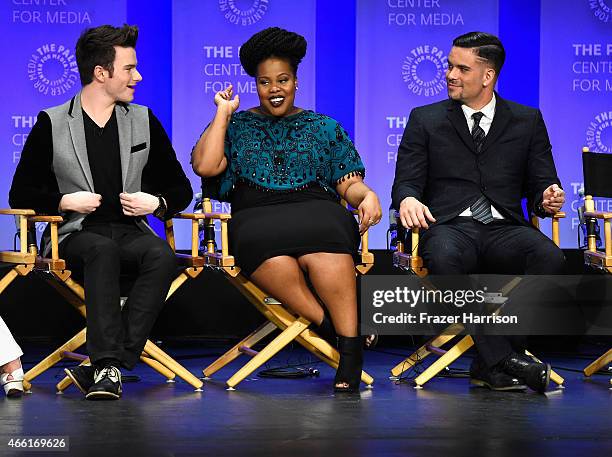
(23, 218)
(18, 212)
(200, 216)
(195, 219)
(598, 215)
(51, 219)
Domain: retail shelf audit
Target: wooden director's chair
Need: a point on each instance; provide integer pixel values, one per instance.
(597, 169)
(56, 274)
(407, 258)
(291, 326)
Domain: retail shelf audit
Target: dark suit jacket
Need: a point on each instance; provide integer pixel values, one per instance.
(437, 161)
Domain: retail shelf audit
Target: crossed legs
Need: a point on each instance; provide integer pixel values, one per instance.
(332, 277)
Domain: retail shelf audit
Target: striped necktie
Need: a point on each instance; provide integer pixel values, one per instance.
(481, 208)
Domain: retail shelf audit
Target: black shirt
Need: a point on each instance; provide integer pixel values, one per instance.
(105, 164)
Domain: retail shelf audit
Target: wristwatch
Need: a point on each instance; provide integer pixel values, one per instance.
(160, 211)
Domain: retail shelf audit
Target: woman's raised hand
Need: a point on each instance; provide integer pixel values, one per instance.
(223, 100)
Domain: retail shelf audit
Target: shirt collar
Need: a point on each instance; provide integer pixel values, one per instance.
(488, 110)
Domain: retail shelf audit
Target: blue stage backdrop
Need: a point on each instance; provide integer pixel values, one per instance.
(402, 49)
(399, 62)
(576, 91)
(38, 53)
(206, 42)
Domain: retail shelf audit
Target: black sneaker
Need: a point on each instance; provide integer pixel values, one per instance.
(494, 378)
(82, 376)
(107, 384)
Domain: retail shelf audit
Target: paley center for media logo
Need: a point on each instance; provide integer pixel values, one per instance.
(601, 10)
(599, 133)
(52, 69)
(243, 12)
(424, 70)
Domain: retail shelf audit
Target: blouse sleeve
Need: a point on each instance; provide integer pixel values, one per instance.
(217, 187)
(345, 160)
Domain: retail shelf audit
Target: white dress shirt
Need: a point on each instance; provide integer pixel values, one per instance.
(488, 112)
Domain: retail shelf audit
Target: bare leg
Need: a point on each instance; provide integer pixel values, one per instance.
(333, 277)
(284, 280)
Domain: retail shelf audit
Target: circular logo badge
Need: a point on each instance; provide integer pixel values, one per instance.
(601, 10)
(52, 69)
(243, 12)
(424, 69)
(599, 133)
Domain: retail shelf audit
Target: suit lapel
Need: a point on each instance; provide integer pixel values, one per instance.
(77, 134)
(457, 118)
(502, 118)
(124, 125)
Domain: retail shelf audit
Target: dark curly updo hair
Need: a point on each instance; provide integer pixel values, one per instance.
(272, 42)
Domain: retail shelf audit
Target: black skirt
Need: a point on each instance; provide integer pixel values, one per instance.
(295, 224)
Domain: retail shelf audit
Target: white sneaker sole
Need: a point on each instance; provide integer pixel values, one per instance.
(103, 396)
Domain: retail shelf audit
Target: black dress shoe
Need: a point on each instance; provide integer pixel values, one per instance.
(494, 378)
(107, 385)
(535, 374)
(82, 376)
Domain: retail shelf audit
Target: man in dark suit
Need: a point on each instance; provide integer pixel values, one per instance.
(463, 167)
(104, 164)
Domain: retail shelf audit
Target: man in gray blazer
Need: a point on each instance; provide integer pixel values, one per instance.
(104, 164)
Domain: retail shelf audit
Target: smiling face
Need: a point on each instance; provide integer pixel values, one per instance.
(469, 78)
(276, 84)
(120, 86)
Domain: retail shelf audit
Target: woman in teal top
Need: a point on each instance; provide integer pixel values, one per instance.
(284, 170)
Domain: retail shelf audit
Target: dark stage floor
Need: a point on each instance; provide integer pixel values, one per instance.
(302, 417)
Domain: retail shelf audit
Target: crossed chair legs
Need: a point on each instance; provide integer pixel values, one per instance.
(447, 357)
(291, 327)
(152, 354)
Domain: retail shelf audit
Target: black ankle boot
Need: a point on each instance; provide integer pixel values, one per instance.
(327, 331)
(351, 363)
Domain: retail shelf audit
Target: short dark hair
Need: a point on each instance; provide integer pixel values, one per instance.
(272, 42)
(96, 46)
(486, 46)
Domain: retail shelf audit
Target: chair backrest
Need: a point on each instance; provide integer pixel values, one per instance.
(597, 170)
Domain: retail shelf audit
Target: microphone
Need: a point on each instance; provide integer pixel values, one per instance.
(581, 207)
(392, 229)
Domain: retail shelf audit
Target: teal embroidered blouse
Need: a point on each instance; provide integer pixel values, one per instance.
(288, 153)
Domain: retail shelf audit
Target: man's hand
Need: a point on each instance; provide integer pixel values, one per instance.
(80, 202)
(553, 198)
(138, 203)
(413, 213)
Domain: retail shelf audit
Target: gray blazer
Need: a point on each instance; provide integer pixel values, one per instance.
(71, 163)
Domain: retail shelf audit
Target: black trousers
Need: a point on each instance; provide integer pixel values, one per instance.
(465, 246)
(101, 256)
